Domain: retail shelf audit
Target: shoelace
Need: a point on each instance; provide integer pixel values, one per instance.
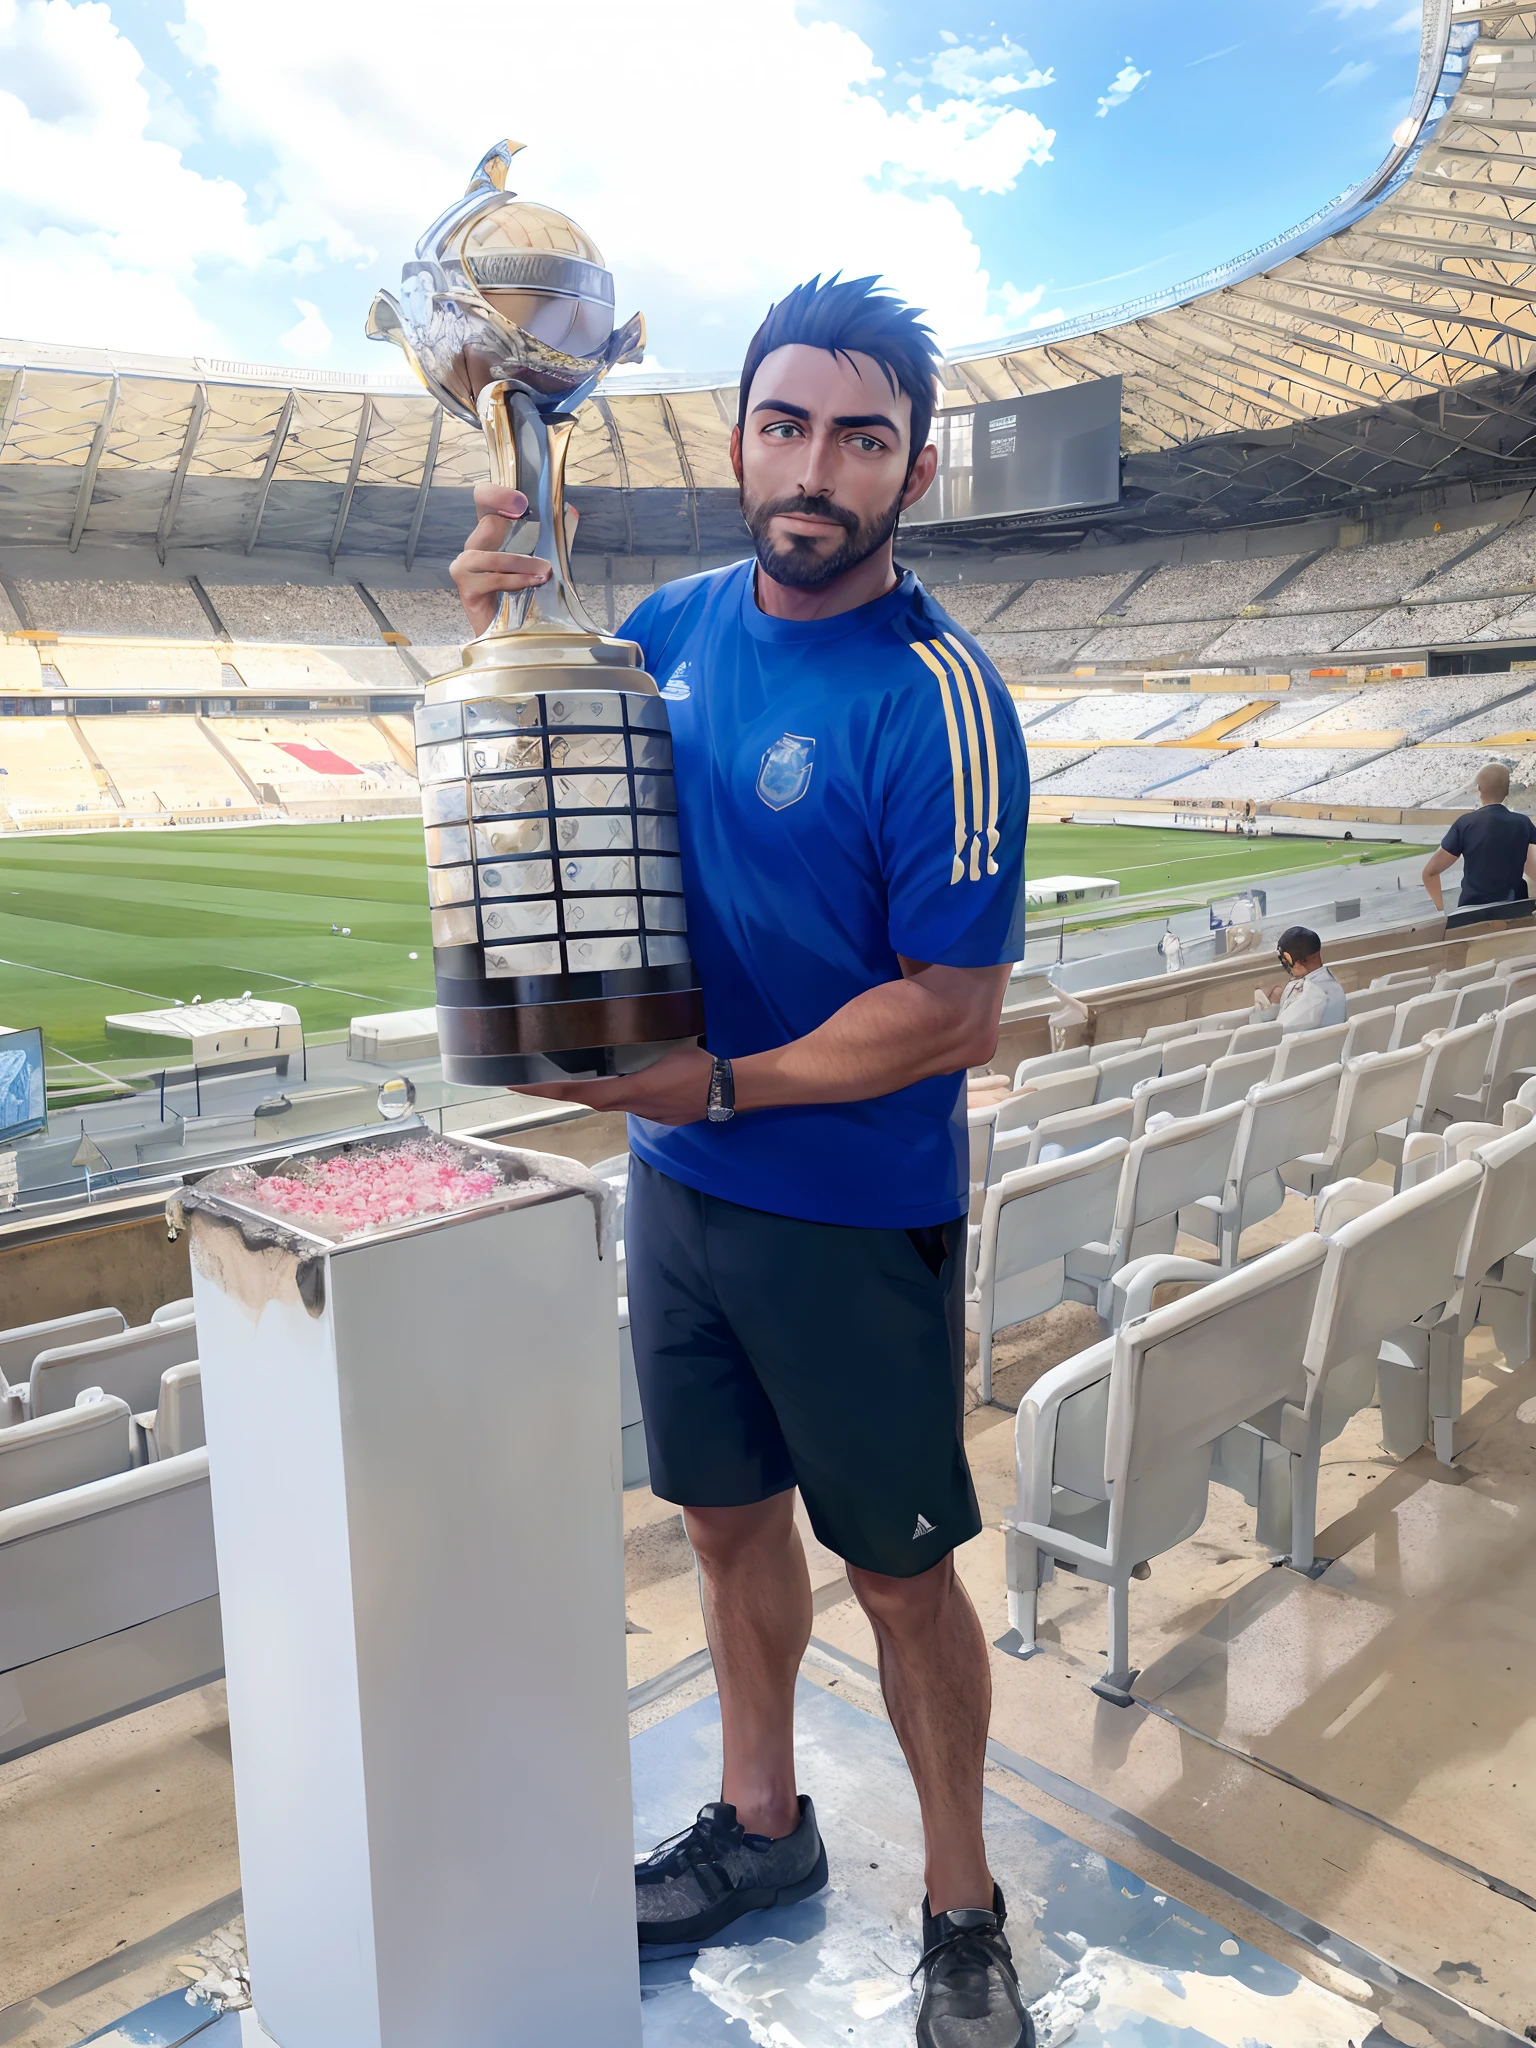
(691, 1847)
(981, 1938)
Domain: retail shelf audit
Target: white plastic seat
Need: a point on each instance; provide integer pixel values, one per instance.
(1251, 1037)
(20, 1346)
(1360, 1000)
(1197, 1050)
(1113, 1448)
(173, 1311)
(1279, 1121)
(1406, 982)
(1376, 1091)
(1305, 1050)
(1119, 1073)
(1171, 1095)
(1511, 1061)
(982, 1128)
(1421, 1367)
(1051, 1063)
(1518, 988)
(175, 1423)
(1229, 1079)
(1428, 1012)
(1049, 1096)
(1479, 999)
(1454, 1069)
(128, 1365)
(1225, 1020)
(1031, 1220)
(1076, 1130)
(54, 1452)
(1370, 1031)
(1514, 963)
(1463, 977)
(1165, 1171)
(1159, 1034)
(1392, 1262)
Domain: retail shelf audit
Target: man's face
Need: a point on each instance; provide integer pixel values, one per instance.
(822, 463)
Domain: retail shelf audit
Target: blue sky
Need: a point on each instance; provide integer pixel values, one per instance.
(228, 178)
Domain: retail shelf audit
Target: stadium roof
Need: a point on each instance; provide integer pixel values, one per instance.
(1381, 347)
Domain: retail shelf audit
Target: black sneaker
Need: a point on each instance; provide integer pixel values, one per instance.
(971, 1996)
(699, 1881)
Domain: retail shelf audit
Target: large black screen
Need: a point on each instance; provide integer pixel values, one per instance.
(1055, 451)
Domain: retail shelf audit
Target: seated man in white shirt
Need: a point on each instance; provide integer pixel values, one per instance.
(1311, 997)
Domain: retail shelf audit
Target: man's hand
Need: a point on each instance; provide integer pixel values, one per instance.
(673, 1091)
(481, 573)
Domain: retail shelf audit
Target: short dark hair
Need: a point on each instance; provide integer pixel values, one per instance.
(1300, 943)
(847, 315)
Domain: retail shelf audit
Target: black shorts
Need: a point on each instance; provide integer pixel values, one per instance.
(774, 1353)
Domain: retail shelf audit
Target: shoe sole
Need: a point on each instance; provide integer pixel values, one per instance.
(687, 1937)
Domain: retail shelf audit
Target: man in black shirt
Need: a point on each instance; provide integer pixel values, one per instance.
(1499, 848)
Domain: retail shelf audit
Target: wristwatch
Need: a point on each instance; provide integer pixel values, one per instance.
(722, 1092)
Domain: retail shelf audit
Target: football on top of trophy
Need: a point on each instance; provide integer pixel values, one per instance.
(504, 288)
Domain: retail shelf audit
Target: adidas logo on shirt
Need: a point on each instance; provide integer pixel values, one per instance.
(924, 1528)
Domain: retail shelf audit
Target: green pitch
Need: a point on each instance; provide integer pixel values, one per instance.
(105, 922)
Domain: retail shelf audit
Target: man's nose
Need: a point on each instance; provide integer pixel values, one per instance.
(818, 469)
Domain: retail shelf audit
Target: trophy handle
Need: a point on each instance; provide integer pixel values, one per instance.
(528, 452)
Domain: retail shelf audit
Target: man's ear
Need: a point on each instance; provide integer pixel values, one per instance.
(923, 472)
(736, 453)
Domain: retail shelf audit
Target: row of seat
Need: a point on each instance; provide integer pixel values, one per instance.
(1245, 1380)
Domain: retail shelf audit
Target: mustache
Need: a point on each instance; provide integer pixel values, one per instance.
(817, 508)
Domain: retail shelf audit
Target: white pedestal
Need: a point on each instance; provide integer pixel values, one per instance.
(416, 1503)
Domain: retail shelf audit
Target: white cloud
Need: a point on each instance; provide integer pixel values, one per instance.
(1121, 86)
(372, 126)
(986, 74)
(1348, 75)
(309, 337)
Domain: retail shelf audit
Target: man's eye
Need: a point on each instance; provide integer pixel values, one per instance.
(868, 445)
(782, 429)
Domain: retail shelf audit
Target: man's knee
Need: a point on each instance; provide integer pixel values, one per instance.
(899, 1604)
(723, 1536)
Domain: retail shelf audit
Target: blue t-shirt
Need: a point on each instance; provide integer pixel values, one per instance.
(848, 790)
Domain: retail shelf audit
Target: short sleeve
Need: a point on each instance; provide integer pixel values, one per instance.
(1530, 828)
(1452, 842)
(954, 807)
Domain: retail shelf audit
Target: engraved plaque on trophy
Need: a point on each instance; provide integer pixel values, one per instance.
(545, 763)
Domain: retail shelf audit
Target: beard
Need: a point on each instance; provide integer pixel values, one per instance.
(800, 566)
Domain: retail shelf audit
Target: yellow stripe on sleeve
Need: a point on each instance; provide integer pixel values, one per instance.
(956, 771)
(985, 705)
(973, 746)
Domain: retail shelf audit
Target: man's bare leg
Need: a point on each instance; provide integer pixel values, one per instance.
(938, 1690)
(757, 1612)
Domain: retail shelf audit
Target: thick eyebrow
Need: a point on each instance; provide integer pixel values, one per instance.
(847, 419)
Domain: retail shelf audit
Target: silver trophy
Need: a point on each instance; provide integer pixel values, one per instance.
(545, 763)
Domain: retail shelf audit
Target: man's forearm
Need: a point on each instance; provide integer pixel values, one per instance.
(885, 1039)
(1434, 891)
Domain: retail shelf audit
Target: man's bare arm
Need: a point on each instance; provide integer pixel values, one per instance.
(1434, 868)
(935, 1020)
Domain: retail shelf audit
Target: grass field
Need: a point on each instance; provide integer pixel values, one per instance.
(94, 923)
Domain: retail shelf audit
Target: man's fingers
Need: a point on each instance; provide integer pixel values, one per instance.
(489, 562)
(500, 499)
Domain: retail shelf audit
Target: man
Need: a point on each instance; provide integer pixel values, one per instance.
(853, 795)
(1310, 998)
(1498, 846)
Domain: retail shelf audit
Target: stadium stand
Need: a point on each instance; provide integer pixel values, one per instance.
(164, 764)
(295, 613)
(45, 777)
(160, 611)
(303, 763)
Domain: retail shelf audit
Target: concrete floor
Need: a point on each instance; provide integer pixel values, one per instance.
(1358, 1748)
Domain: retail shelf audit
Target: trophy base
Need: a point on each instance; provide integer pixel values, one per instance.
(566, 1036)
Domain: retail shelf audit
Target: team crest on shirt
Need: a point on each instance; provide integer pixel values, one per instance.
(677, 685)
(785, 775)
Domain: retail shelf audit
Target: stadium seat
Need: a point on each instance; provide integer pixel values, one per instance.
(1172, 1095)
(1454, 1069)
(1511, 1061)
(1048, 1096)
(1252, 1037)
(173, 1311)
(1305, 1050)
(1409, 981)
(1376, 1091)
(1390, 1262)
(1229, 1079)
(128, 1365)
(20, 1346)
(1428, 1012)
(175, 1424)
(1197, 1050)
(1113, 1448)
(1517, 988)
(1368, 1032)
(1462, 977)
(1226, 1020)
(1119, 1073)
(1279, 1121)
(982, 1124)
(1051, 1063)
(1360, 1000)
(1421, 1367)
(1032, 1220)
(1513, 964)
(1076, 1130)
(88, 1440)
(1159, 1034)
(1165, 1171)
